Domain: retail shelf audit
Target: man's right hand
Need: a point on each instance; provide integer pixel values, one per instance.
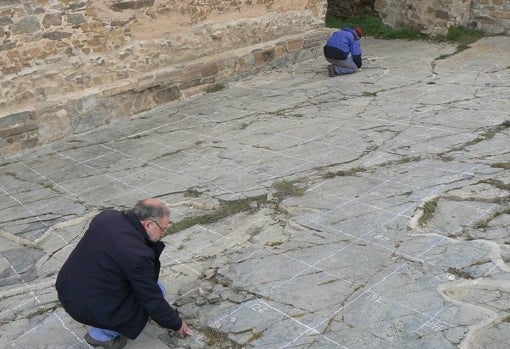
(185, 330)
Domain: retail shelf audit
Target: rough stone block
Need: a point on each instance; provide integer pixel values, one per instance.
(17, 118)
(5, 20)
(263, 56)
(131, 5)
(500, 14)
(166, 75)
(52, 19)
(82, 123)
(484, 19)
(191, 73)
(56, 35)
(21, 141)
(76, 18)
(17, 130)
(118, 88)
(53, 124)
(7, 45)
(165, 95)
(210, 69)
(280, 48)
(26, 25)
(144, 83)
(294, 45)
(190, 83)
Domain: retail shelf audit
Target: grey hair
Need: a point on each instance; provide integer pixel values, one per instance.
(151, 209)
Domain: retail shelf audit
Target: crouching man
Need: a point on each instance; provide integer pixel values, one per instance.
(343, 51)
(110, 280)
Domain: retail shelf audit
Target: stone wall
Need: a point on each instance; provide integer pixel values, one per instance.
(434, 17)
(492, 16)
(349, 8)
(69, 66)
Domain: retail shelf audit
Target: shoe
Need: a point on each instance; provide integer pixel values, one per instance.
(116, 343)
(331, 70)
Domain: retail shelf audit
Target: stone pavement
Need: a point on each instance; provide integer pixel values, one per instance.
(362, 211)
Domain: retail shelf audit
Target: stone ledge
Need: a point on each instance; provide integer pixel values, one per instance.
(45, 121)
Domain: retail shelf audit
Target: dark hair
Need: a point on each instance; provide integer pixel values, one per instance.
(150, 209)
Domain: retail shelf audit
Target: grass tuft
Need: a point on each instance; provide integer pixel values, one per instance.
(428, 211)
(288, 188)
(215, 88)
(460, 273)
(227, 209)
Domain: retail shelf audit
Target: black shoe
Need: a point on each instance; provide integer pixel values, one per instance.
(116, 343)
(331, 70)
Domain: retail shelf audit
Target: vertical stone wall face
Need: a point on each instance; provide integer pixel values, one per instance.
(70, 45)
(493, 16)
(349, 8)
(73, 65)
(434, 17)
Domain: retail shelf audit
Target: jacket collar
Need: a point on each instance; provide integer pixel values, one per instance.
(131, 216)
(352, 31)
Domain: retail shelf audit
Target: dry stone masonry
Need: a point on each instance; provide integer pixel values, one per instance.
(434, 17)
(71, 66)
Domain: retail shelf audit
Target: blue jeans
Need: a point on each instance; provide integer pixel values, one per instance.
(342, 67)
(104, 335)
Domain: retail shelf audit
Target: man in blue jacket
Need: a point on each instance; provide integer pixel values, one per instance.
(110, 280)
(343, 51)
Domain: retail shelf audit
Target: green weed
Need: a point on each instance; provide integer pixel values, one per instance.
(226, 209)
(481, 225)
(191, 192)
(428, 211)
(215, 88)
(406, 159)
(503, 165)
(342, 173)
(460, 273)
(287, 188)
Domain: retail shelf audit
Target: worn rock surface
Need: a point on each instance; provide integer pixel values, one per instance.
(362, 211)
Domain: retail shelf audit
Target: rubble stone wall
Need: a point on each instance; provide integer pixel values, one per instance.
(492, 16)
(434, 17)
(68, 66)
(349, 8)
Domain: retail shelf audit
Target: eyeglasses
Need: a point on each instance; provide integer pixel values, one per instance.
(159, 226)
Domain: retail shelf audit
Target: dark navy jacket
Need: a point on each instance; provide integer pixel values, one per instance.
(110, 279)
(341, 44)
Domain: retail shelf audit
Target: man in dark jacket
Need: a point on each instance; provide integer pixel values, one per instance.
(110, 280)
(343, 51)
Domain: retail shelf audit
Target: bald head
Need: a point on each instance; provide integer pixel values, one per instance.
(150, 209)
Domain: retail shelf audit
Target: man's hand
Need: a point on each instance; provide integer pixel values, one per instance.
(185, 330)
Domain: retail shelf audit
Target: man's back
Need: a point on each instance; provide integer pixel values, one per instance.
(342, 40)
(109, 274)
